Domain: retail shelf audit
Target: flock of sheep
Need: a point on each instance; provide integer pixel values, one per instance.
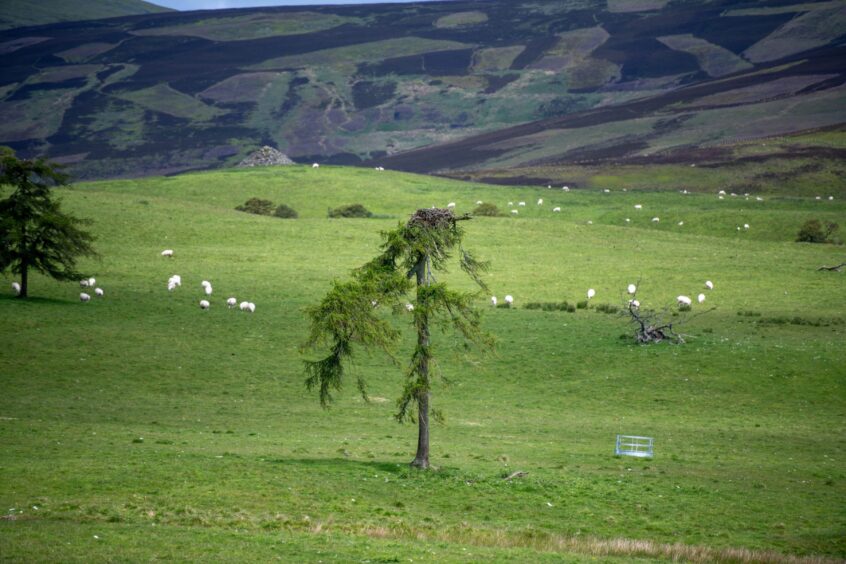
(681, 300)
(175, 282)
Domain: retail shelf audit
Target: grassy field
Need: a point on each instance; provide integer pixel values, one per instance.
(139, 427)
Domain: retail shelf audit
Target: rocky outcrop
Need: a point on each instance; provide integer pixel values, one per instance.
(266, 156)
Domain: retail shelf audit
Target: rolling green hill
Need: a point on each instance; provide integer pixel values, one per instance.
(430, 87)
(140, 427)
(22, 13)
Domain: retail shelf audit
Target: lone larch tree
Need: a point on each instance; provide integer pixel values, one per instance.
(35, 234)
(349, 313)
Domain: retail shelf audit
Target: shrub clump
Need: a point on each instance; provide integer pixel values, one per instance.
(352, 210)
(285, 212)
(487, 210)
(814, 231)
(551, 306)
(257, 206)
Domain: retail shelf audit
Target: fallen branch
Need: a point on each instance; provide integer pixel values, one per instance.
(517, 474)
(833, 268)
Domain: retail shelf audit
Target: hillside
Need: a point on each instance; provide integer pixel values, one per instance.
(21, 13)
(138, 427)
(493, 85)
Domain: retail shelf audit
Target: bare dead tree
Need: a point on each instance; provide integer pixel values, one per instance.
(653, 326)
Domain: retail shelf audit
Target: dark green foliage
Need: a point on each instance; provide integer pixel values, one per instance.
(34, 232)
(351, 210)
(814, 231)
(487, 210)
(582, 304)
(257, 206)
(285, 212)
(552, 306)
(606, 308)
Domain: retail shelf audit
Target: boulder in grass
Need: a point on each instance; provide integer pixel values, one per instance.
(266, 156)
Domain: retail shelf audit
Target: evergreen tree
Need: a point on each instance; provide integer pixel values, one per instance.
(348, 314)
(34, 232)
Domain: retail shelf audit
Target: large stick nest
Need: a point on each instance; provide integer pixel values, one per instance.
(432, 218)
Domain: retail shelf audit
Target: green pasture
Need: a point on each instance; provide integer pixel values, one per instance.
(139, 427)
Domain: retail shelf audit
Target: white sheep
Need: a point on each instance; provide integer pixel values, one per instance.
(556, 209)
(521, 203)
(684, 300)
(177, 279)
(721, 193)
(92, 282)
(171, 285)
(746, 226)
(16, 288)
(591, 293)
(632, 288)
(99, 292)
(638, 206)
(709, 284)
(510, 204)
(451, 205)
(634, 304)
(565, 188)
(167, 253)
(628, 220)
(204, 304)
(244, 306)
(590, 222)
(209, 290)
(409, 307)
(315, 165)
(251, 307)
(759, 199)
(478, 202)
(83, 297)
(509, 299)
(607, 191)
(681, 223)
(720, 198)
(231, 302)
(700, 298)
(831, 198)
(83, 283)
(656, 219)
(514, 212)
(540, 201)
(205, 283)
(493, 301)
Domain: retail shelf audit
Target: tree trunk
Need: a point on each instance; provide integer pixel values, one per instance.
(24, 279)
(421, 459)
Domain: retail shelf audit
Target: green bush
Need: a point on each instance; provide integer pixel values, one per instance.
(285, 212)
(813, 231)
(582, 304)
(256, 206)
(487, 210)
(352, 210)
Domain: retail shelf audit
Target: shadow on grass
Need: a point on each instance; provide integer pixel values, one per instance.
(343, 463)
(35, 300)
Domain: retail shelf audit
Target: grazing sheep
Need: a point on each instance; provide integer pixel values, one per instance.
(515, 212)
(634, 304)
(700, 298)
(831, 198)
(409, 307)
(315, 165)
(177, 279)
(709, 284)
(493, 301)
(521, 203)
(509, 299)
(83, 283)
(565, 188)
(607, 191)
(16, 288)
(244, 306)
(684, 300)
(171, 285)
(632, 288)
(720, 197)
(656, 219)
(451, 205)
(92, 282)
(205, 283)
(721, 193)
(209, 290)
(231, 302)
(591, 293)
(556, 209)
(628, 220)
(251, 307)
(204, 304)
(590, 222)
(540, 201)
(83, 297)
(638, 206)
(478, 202)
(167, 253)
(759, 199)
(99, 292)
(510, 204)
(746, 226)
(681, 223)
